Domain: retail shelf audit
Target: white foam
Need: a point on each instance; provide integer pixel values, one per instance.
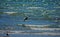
(10, 12)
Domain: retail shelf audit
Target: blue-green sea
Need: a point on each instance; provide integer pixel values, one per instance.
(39, 12)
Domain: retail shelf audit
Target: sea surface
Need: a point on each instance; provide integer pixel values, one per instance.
(39, 12)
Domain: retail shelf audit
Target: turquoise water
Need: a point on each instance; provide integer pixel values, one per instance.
(39, 12)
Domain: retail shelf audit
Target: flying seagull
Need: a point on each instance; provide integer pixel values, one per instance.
(26, 18)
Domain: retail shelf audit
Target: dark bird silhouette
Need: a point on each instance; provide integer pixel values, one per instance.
(26, 18)
(7, 34)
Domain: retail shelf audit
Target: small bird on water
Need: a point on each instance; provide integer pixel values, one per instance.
(7, 35)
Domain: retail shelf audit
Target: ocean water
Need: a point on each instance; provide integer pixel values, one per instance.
(11, 21)
(28, 35)
(39, 12)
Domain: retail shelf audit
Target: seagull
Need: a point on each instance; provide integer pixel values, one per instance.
(26, 18)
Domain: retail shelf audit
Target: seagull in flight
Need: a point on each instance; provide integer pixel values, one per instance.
(26, 18)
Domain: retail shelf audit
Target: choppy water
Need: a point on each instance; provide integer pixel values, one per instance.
(34, 9)
(28, 35)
